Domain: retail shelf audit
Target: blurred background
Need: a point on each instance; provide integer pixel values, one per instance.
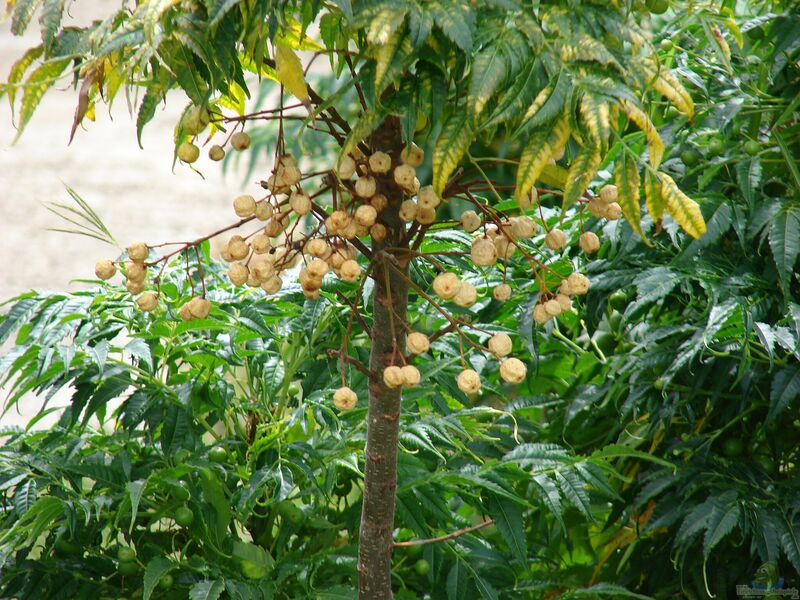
(135, 191)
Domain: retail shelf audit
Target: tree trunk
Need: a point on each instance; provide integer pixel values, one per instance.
(389, 300)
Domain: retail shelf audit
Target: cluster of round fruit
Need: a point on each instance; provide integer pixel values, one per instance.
(577, 284)
(194, 122)
(605, 205)
(500, 345)
(135, 272)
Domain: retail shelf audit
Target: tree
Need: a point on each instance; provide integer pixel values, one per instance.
(505, 97)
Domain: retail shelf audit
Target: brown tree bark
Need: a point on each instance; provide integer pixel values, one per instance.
(389, 305)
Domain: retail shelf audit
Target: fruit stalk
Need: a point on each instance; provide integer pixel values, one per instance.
(389, 300)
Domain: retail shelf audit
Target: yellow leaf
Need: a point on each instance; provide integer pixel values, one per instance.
(654, 198)
(290, 71)
(581, 172)
(682, 208)
(597, 118)
(643, 122)
(554, 176)
(540, 149)
(453, 142)
(665, 83)
(627, 179)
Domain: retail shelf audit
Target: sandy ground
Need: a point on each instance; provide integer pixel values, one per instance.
(134, 191)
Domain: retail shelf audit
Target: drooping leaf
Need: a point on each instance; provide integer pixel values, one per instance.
(488, 72)
(39, 81)
(391, 59)
(682, 208)
(654, 144)
(654, 197)
(721, 522)
(596, 116)
(785, 390)
(289, 71)
(508, 519)
(156, 568)
(784, 241)
(50, 19)
(23, 12)
(452, 144)
(628, 185)
(207, 590)
(539, 149)
(581, 172)
(385, 23)
(456, 19)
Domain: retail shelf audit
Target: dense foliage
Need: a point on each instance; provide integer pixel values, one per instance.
(652, 448)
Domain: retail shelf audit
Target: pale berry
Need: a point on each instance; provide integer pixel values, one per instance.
(512, 370)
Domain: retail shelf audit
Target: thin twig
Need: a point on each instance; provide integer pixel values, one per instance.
(445, 538)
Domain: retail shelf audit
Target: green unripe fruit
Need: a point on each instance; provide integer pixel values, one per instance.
(293, 389)
(752, 147)
(180, 492)
(165, 582)
(666, 45)
(422, 567)
(195, 121)
(216, 152)
(217, 454)
(64, 547)
(184, 516)
(689, 158)
(188, 152)
(732, 447)
(658, 384)
(716, 147)
(240, 140)
(128, 568)
(291, 512)
(657, 6)
(618, 300)
(126, 554)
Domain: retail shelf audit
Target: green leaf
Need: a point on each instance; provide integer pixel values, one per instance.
(575, 492)
(456, 20)
(457, 581)
(784, 241)
(604, 589)
(18, 71)
(451, 146)
(217, 9)
(153, 572)
(784, 390)
(748, 174)
(508, 519)
(489, 69)
(25, 497)
(385, 23)
(50, 20)
(620, 451)
(135, 491)
(790, 541)
(39, 81)
(516, 97)
(548, 106)
(256, 561)
(147, 109)
(723, 519)
(23, 11)
(207, 590)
